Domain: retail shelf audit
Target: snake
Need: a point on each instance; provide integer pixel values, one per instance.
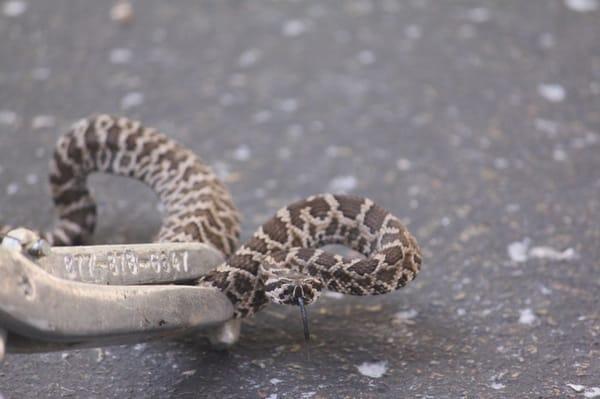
(283, 262)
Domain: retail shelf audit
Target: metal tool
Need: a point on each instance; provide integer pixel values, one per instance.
(70, 297)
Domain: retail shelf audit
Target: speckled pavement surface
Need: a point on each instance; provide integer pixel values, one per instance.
(478, 122)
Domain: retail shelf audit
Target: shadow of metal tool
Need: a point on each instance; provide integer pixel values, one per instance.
(73, 297)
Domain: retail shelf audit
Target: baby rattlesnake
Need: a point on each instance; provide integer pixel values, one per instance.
(280, 263)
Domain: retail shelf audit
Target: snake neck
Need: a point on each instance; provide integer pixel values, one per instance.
(244, 290)
(240, 279)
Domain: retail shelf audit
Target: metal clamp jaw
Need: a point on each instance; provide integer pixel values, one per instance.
(73, 297)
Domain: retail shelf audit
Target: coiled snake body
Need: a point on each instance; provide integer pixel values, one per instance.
(280, 263)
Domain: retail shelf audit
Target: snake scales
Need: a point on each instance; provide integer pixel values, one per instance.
(280, 263)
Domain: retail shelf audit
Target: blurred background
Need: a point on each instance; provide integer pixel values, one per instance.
(476, 122)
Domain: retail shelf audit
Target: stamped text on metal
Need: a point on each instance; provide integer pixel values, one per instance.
(125, 263)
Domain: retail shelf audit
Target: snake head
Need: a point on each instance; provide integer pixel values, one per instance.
(286, 287)
(287, 291)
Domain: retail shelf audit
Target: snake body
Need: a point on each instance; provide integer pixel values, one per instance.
(280, 263)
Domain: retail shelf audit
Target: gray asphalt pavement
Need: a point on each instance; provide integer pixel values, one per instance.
(477, 122)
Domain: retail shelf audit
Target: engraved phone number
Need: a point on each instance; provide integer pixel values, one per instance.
(126, 262)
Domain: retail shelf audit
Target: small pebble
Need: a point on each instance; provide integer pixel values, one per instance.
(406, 315)
(545, 290)
(32, 179)
(131, 100)
(8, 117)
(100, 355)
(293, 28)
(373, 369)
(343, 184)
(42, 122)
(559, 155)
(120, 56)
(546, 126)
(554, 93)
(500, 163)
(582, 5)
(249, 58)
(14, 8)
(122, 12)
(242, 153)
(403, 164)
(527, 317)
(140, 347)
(12, 188)
(577, 388)
(497, 386)
(518, 250)
(592, 392)
(543, 252)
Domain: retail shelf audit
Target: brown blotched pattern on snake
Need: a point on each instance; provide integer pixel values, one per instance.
(280, 263)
